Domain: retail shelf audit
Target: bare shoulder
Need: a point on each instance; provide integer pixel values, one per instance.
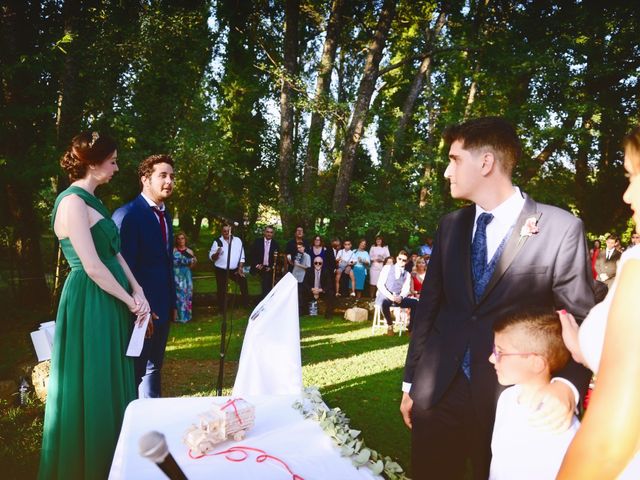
(72, 206)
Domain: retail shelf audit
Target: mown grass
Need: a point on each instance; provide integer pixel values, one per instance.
(355, 371)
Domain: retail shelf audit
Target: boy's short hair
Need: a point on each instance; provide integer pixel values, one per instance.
(541, 332)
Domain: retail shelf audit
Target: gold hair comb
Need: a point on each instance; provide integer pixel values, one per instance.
(94, 136)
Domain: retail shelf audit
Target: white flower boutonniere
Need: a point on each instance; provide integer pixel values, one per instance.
(529, 228)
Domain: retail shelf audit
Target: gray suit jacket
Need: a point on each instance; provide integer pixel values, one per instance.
(550, 269)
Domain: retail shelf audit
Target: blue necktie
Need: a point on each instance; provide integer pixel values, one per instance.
(478, 268)
(479, 254)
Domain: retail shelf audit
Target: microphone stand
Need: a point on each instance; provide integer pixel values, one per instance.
(223, 325)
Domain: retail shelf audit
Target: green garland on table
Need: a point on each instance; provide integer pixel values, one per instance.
(335, 423)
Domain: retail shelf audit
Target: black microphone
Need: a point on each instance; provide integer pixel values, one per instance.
(154, 447)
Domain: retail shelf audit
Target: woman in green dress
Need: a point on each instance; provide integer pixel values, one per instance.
(91, 380)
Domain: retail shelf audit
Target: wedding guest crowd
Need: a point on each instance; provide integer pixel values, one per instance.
(473, 334)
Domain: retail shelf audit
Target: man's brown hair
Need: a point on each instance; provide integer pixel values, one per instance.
(145, 169)
(493, 133)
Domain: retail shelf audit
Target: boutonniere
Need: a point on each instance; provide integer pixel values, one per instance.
(529, 228)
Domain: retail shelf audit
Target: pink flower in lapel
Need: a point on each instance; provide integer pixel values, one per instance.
(529, 228)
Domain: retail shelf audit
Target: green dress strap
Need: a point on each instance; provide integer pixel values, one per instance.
(91, 200)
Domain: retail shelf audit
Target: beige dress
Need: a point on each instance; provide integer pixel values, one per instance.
(377, 254)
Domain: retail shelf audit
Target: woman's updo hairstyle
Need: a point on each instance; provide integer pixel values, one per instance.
(87, 148)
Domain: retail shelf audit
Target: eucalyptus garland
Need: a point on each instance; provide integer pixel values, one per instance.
(335, 423)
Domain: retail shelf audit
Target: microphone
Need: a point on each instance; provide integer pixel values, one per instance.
(154, 447)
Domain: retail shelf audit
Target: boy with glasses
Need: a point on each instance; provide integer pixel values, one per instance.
(394, 286)
(527, 349)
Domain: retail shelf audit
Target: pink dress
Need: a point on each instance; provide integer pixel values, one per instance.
(377, 254)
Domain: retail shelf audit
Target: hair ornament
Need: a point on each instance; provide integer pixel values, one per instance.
(94, 137)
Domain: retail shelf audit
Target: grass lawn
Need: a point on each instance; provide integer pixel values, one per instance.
(355, 371)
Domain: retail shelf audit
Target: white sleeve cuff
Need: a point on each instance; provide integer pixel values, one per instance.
(406, 387)
(576, 395)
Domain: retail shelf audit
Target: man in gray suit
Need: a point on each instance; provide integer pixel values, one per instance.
(607, 261)
(505, 253)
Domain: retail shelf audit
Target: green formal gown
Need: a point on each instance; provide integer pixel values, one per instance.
(92, 381)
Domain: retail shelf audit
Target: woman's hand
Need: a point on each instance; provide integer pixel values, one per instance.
(570, 335)
(139, 305)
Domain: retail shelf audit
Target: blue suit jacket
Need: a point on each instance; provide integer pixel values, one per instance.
(144, 250)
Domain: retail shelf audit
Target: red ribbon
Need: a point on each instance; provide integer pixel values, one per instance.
(240, 453)
(232, 402)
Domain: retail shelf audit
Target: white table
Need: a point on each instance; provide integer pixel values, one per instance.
(279, 430)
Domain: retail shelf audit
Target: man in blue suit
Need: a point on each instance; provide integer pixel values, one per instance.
(147, 245)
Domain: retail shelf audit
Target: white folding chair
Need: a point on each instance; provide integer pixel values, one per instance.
(401, 319)
(378, 320)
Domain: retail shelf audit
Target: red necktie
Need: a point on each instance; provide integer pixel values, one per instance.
(163, 223)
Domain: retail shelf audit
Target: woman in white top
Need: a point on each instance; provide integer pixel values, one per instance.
(377, 253)
(607, 444)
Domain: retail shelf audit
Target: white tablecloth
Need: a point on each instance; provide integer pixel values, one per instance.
(279, 430)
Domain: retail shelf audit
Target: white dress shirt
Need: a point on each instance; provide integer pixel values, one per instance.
(505, 216)
(160, 207)
(237, 253)
(267, 246)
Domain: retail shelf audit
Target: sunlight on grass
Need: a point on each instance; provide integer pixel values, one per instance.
(341, 370)
(185, 343)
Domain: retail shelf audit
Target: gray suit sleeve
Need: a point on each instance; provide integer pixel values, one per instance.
(573, 291)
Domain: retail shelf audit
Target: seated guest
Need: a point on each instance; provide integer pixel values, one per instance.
(394, 285)
(417, 277)
(411, 263)
(363, 261)
(301, 262)
(527, 350)
(345, 260)
(318, 283)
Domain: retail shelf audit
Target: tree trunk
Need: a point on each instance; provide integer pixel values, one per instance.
(361, 108)
(20, 25)
(414, 90)
(285, 169)
(323, 82)
(549, 149)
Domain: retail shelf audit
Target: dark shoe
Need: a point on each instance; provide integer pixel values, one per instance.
(390, 332)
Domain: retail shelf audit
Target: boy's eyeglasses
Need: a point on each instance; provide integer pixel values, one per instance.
(317, 263)
(401, 259)
(498, 355)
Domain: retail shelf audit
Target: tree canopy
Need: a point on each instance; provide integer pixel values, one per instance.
(326, 113)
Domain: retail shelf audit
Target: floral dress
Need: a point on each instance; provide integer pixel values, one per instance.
(182, 261)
